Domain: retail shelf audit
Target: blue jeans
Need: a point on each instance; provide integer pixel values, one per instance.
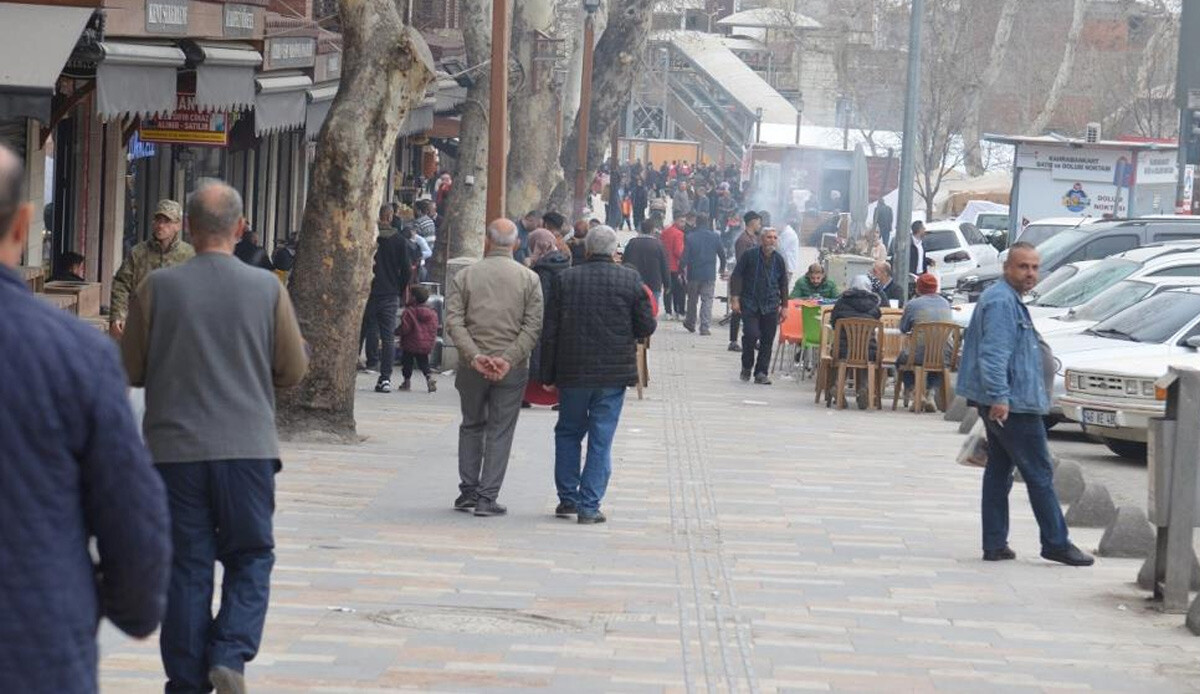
(1020, 443)
(220, 511)
(591, 412)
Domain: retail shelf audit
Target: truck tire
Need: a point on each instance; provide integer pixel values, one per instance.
(1133, 450)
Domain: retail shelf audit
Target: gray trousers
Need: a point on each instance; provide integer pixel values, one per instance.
(700, 293)
(489, 412)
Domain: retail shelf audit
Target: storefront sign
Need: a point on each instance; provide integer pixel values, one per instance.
(140, 150)
(239, 22)
(1077, 164)
(290, 52)
(1189, 184)
(1157, 167)
(167, 16)
(188, 126)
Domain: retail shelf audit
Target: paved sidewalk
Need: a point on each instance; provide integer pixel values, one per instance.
(756, 543)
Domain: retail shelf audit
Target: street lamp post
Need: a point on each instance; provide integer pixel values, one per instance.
(498, 112)
(585, 103)
(903, 234)
(799, 114)
(758, 116)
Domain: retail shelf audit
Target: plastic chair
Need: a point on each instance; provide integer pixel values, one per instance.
(858, 334)
(810, 314)
(934, 337)
(824, 357)
(791, 334)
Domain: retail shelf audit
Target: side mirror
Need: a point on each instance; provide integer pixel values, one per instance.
(1193, 342)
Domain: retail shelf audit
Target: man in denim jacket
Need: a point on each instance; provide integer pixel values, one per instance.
(1001, 374)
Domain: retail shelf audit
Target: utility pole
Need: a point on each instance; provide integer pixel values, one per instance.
(1187, 98)
(498, 112)
(908, 146)
(585, 105)
(799, 114)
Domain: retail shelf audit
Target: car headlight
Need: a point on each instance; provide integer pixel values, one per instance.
(1132, 387)
(1072, 381)
(1148, 389)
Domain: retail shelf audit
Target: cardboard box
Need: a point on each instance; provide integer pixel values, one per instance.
(87, 294)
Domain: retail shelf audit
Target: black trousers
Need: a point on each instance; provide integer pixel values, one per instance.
(735, 325)
(379, 324)
(406, 364)
(677, 298)
(760, 337)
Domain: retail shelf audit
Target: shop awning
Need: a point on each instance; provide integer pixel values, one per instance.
(35, 42)
(320, 98)
(419, 119)
(225, 76)
(136, 79)
(281, 104)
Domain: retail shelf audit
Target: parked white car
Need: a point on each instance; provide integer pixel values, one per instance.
(958, 248)
(1110, 302)
(1136, 341)
(963, 311)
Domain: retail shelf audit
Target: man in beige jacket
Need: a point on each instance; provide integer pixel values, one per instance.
(494, 318)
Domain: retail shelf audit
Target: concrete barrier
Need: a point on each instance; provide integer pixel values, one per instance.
(957, 409)
(1093, 509)
(1129, 536)
(1068, 482)
(968, 420)
(1145, 579)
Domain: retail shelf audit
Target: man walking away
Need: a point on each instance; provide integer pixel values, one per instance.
(494, 318)
(645, 254)
(673, 239)
(210, 341)
(72, 469)
(1002, 375)
(391, 274)
(745, 241)
(884, 221)
(163, 249)
(758, 290)
(789, 248)
(593, 324)
(703, 251)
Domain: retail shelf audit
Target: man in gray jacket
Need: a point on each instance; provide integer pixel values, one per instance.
(210, 340)
(494, 318)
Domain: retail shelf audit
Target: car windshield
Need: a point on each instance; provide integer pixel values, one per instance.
(1156, 319)
(971, 233)
(1088, 283)
(943, 240)
(1055, 249)
(1113, 300)
(1056, 278)
(995, 222)
(1036, 233)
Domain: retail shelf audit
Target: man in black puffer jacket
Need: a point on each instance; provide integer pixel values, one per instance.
(589, 351)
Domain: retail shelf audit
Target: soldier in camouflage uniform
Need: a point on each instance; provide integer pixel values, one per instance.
(163, 249)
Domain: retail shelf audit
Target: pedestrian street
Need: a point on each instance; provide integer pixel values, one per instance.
(756, 542)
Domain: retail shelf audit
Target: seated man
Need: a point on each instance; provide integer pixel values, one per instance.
(70, 268)
(814, 283)
(927, 307)
(885, 285)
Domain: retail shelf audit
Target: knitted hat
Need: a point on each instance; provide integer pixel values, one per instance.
(927, 284)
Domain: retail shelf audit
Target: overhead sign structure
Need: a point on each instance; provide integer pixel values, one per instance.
(188, 126)
(167, 17)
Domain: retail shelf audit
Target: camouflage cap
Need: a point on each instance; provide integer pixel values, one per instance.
(169, 209)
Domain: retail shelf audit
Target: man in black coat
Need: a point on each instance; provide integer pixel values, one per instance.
(758, 290)
(589, 352)
(391, 275)
(885, 285)
(918, 262)
(645, 253)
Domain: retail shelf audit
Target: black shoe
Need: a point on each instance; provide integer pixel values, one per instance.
(486, 507)
(554, 408)
(689, 328)
(525, 405)
(705, 333)
(1069, 555)
(383, 386)
(734, 347)
(227, 680)
(465, 502)
(405, 385)
(762, 379)
(745, 375)
(565, 510)
(591, 518)
(999, 554)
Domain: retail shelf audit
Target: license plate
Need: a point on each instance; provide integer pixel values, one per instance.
(1100, 418)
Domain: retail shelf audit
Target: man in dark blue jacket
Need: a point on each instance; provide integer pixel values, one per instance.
(702, 250)
(589, 351)
(72, 468)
